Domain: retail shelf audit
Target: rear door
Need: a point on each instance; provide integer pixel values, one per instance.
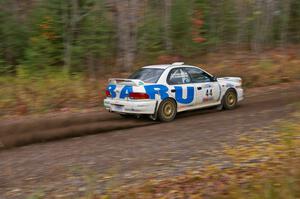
(181, 88)
(207, 90)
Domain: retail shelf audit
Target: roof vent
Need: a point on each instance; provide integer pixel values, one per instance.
(177, 63)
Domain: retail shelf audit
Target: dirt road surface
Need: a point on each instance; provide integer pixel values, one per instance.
(72, 167)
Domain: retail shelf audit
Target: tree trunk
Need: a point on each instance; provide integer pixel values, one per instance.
(242, 14)
(91, 66)
(127, 19)
(167, 25)
(256, 40)
(285, 22)
(70, 27)
(263, 25)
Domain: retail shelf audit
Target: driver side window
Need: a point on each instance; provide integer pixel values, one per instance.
(178, 76)
(198, 76)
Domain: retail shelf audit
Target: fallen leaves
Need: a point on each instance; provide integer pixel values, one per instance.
(263, 165)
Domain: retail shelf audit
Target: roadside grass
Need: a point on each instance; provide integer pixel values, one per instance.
(263, 165)
(55, 91)
(271, 67)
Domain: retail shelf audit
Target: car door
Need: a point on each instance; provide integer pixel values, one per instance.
(181, 88)
(208, 90)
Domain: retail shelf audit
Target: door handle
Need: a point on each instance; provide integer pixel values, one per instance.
(173, 90)
(199, 88)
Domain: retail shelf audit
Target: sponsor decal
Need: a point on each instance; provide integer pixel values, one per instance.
(111, 88)
(229, 85)
(207, 86)
(179, 93)
(158, 89)
(125, 91)
(161, 91)
(141, 83)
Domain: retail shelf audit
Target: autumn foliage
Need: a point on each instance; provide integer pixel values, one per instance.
(197, 24)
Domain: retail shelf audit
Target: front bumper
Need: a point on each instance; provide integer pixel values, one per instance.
(130, 106)
(240, 94)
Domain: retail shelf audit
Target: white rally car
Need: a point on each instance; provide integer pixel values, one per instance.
(161, 91)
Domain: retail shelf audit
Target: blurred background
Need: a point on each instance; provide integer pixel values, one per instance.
(57, 55)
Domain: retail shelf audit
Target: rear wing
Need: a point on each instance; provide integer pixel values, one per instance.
(127, 82)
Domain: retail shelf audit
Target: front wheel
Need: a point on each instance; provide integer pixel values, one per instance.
(229, 100)
(167, 110)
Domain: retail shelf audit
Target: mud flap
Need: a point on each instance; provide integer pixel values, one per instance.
(220, 107)
(154, 116)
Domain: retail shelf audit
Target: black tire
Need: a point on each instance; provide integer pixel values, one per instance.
(167, 110)
(229, 100)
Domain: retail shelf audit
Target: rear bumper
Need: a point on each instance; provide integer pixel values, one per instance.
(130, 107)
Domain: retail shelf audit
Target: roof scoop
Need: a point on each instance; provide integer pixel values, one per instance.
(177, 63)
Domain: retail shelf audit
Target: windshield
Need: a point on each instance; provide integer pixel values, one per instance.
(148, 75)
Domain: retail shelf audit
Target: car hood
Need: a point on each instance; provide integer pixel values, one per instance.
(237, 81)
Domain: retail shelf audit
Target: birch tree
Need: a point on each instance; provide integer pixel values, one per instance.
(127, 17)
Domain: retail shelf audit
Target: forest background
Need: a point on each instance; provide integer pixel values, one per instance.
(57, 55)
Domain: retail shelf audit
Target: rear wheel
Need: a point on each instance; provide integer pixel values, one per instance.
(229, 100)
(167, 110)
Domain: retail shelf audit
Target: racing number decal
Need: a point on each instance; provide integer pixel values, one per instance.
(208, 96)
(209, 92)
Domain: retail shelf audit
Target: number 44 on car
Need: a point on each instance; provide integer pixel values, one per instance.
(161, 91)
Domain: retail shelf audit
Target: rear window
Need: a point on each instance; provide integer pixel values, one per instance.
(148, 75)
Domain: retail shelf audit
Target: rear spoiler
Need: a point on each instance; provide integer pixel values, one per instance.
(127, 82)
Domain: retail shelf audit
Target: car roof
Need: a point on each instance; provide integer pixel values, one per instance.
(165, 66)
(174, 65)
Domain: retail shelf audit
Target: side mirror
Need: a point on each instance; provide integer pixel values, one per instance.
(215, 78)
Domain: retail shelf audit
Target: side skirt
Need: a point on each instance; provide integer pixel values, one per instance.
(199, 107)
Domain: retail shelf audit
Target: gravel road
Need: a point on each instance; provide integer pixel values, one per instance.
(108, 160)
